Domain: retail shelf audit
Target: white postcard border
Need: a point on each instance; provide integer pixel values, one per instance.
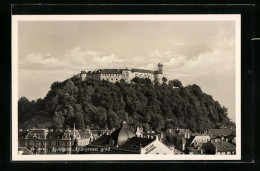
(121, 157)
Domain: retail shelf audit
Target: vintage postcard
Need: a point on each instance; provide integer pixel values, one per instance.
(126, 87)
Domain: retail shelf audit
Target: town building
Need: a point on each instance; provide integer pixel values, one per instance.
(198, 140)
(114, 75)
(219, 148)
(44, 141)
(213, 133)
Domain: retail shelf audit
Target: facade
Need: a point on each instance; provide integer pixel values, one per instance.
(114, 75)
(43, 141)
(198, 140)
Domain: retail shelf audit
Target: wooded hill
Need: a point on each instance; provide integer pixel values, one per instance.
(101, 104)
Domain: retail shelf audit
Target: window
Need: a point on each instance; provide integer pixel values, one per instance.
(57, 143)
(49, 143)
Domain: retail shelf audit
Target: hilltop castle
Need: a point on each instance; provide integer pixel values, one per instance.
(114, 75)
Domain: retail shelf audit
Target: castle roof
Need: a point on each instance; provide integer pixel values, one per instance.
(119, 71)
(142, 71)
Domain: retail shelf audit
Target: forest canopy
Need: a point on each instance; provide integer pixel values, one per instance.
(103, 105)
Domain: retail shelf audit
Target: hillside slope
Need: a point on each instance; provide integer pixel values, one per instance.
(101, 104)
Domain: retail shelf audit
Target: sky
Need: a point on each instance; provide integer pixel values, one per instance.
(195, 52)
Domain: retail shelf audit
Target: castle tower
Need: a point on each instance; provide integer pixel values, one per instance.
(160, 68)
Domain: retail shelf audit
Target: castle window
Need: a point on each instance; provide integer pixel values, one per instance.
(112, 79)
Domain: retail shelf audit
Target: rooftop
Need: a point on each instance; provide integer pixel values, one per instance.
(224, 146)
(136, 142)
(223, 131)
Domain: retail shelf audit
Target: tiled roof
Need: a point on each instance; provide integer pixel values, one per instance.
(111, 71)
(55, 135)
(213, 133)
(142, 71)
(119, 71)
(25, 151)
(224, 146)
(102, 141)
(135, 142)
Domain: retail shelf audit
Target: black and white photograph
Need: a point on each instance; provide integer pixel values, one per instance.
(126, 87)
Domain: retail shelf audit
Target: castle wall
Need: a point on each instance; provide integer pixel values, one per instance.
(159, 77)
(144, 75)
(111, 77)
(115, 75)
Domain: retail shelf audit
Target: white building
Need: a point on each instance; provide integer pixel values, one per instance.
(114, 75)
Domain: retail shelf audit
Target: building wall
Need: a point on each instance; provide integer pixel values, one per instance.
(156, 147)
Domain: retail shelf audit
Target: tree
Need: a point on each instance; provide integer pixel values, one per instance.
(136, 80)
(58, 120)
(79, 117)
(101, 105)
(164, 79)
(112, 119)
(175, 83)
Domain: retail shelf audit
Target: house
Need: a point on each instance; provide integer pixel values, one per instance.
(44, 141)
(198, 140)
(219, 148)
(213, 133)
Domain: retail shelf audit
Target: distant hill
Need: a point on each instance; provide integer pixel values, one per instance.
(101, 105)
